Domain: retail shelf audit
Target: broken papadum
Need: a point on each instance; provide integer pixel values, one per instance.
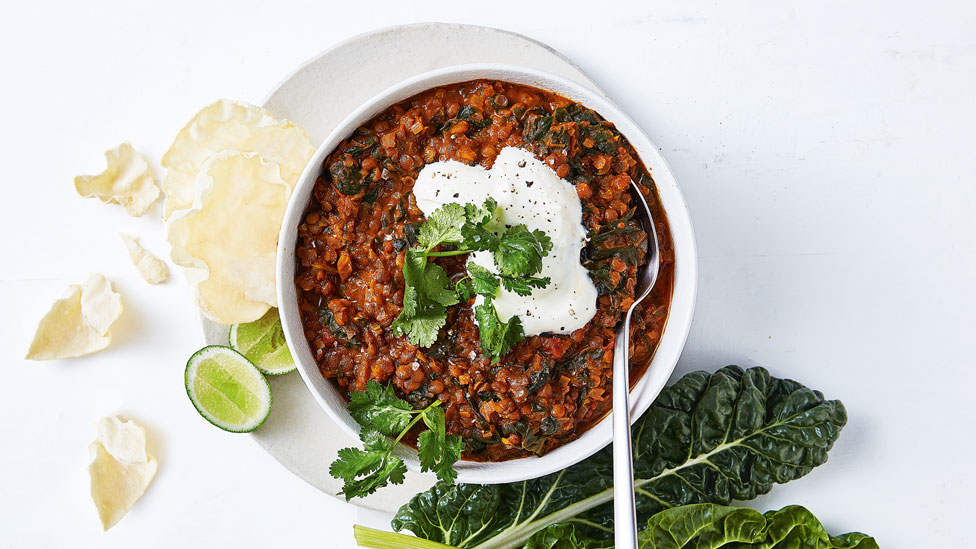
(227, 239)
(152, 269)
(127, 181)
(231, 125)
(121, 468)
(78, 324)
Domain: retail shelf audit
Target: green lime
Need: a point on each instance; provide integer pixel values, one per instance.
(227, 389)
(263, 343)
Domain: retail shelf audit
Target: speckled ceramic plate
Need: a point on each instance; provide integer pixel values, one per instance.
(318, 95)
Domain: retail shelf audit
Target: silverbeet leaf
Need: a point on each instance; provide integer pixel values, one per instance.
(708, 438)
(715, 527)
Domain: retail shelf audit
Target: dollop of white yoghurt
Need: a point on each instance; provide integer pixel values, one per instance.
(528, 192)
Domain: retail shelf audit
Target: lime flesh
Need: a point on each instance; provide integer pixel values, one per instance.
(263, 343)
(227, 389)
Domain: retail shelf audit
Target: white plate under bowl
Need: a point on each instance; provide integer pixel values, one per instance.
(299, 434)
(682, 301)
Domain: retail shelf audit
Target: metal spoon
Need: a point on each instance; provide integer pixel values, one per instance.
(624, 506)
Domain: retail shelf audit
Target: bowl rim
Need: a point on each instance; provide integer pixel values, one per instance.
(683, 296)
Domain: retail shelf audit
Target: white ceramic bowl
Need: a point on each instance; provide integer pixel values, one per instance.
(682, 302)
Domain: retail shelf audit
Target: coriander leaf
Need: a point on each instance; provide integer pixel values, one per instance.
(497, 337)
(464, 290)
(422, 328)
(410, 304)
(479, 215)
(524, 285)
(520, 251)
(435, 286)
(379, 407)
(434, 419)
(392, 470)
(478, 238)
(428, 280)
(375, 464)
(437, 450)
(354, 462)
(374, 440)
(483, 281)
(426, 295)
(383, 415)
(443, 226)
(438, 453)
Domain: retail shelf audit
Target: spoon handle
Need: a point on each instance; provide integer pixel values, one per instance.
(624, 508)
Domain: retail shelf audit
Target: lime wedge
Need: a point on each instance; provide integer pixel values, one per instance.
(263, 343)
(227, 389)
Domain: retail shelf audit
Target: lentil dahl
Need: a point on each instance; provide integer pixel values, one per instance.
(362, 217)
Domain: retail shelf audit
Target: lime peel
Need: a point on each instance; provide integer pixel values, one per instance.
(263, 343)
(227, 389)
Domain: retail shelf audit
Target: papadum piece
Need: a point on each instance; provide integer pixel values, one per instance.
(152, 269)
(78, 324)
(121, 468)
(231, 125)
(227, 240)
(127, 181)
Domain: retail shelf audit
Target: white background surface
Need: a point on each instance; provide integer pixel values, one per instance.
(825, 149)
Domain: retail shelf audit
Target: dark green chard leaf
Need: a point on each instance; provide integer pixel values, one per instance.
(706, 525)
(709, 438)
(359, 148)
(538, 128)
(347, 334)
(348, 180)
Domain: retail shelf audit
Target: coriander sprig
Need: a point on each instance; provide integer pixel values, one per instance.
(517, 253)
(383, 415)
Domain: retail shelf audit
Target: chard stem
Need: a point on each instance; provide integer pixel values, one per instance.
(378, 539)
